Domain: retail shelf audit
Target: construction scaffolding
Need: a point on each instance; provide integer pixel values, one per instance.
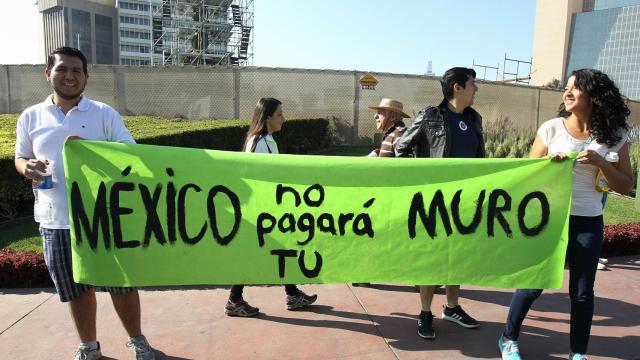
(198, 32)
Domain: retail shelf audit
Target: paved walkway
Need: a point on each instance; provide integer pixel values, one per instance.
(347, 323)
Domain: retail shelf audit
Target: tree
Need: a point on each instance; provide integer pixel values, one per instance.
(554, 84)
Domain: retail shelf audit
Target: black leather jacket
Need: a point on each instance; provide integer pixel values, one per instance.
(429, 135)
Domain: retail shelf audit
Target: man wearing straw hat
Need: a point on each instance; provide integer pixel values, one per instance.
(388, 118)
(450, 130)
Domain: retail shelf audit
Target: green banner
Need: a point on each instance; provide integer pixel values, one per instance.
(152, 215)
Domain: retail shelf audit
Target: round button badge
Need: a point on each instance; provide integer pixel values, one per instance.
(463, 125)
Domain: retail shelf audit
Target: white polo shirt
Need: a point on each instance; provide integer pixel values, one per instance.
(40, 134)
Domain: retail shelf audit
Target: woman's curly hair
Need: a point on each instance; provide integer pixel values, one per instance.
(608, 109)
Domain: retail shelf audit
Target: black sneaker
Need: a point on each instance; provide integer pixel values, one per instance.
(299, 301)
(425, 325)
(240, 308)
(458, 316)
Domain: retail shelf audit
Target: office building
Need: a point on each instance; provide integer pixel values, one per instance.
(89, 25)
(599, 34)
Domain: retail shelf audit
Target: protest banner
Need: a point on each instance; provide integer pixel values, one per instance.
(149, 215)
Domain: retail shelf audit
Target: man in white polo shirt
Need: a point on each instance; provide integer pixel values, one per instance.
(41, 132)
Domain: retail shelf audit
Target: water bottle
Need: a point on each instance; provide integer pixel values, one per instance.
(601, 181)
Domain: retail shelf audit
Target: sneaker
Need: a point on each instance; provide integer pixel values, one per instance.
(577, 356)
(509, 349)
(361, 284)
(240, 308)
(300, 301)
(601, 266)
(141, 347)
(425, 325)
(87, 353)
(603, 261)
(457, 315)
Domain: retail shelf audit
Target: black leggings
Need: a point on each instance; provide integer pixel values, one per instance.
(236, 291)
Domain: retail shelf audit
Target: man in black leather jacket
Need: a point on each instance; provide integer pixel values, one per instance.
(451, 129)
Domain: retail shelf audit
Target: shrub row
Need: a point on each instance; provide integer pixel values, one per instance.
(23, 269)
(297, 137)
(28, 269)
(621, 240)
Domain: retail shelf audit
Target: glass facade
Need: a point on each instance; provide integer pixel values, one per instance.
(609, 40)
(610, 4)
(81, 32)
(104, 39)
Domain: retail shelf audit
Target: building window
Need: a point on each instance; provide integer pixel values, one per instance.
(135, 48)
(128, 61)
(133, 6)
(134, 20)
(133, 34)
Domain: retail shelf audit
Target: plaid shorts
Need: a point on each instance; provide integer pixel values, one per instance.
(57, 255)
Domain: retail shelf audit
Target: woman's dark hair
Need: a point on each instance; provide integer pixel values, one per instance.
(608, 109)
(264, 108)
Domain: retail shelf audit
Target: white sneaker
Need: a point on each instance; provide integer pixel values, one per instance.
(87, 353)
(141, 347)
(601, 266)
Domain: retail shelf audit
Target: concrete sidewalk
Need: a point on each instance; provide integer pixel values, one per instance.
(347, 323)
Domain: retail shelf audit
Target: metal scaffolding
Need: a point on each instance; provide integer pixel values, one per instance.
(198, 32)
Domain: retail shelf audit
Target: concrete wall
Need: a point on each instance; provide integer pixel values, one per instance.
(232, 92)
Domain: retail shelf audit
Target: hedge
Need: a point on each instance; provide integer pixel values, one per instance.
(298, 136)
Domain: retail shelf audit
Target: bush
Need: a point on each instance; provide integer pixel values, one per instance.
(297, 137)
(23, 269)
(621, 240)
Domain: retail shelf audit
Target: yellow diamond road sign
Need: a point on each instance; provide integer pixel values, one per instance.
(368, 82)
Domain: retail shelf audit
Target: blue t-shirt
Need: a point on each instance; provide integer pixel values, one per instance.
(464, 138)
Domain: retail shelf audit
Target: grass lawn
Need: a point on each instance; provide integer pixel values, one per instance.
(620, 210)
(23, 235)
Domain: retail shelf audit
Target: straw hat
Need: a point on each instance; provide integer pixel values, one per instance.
(391, 105)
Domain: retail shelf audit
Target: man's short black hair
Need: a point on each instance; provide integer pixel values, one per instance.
(456, 75)
(68, 51)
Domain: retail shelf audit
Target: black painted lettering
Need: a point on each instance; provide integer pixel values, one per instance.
(477, 215)
(429, 222)
(287, 223)
(495, 212)
(307, 195)
(310, 273)
(306, 224)
(326, 223)
(117, 211)
(213, 219)
(544, 213)
(100, 217)
(262, 229)
(281, 190)
(343, 220)
(362, 225)
(153, 225)
(182, 216)
(171, 212)
(282, 255)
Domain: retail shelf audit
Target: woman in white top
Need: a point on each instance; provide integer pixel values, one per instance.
(593, 122)
(267, 119)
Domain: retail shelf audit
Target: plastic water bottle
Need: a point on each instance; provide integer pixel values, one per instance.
(601, 181)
